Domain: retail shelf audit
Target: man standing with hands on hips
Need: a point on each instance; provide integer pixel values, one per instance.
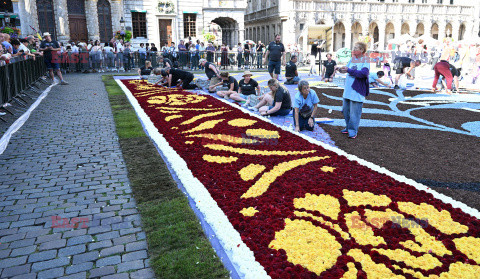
(276, 57)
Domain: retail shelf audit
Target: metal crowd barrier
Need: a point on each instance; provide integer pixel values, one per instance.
(18, 77)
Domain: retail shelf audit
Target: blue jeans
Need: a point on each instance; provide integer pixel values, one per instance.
(274, 65)
(281, 112)
(303, 123)
(352, 111)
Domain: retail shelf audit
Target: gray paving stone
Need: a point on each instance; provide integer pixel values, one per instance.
(117, 276)
(42, 256)
(134, 246)
(138, 255)
(26, 276)
(133, 265)
(53, 244)
(48, 237)
(79, 240)
(112, 250)
(16, 270)
(50, 264)
(124, 239)
(72, 250)
(8, 262)
(100, 244)
(22, 243)
(51, 273)
(129, 231)
(79, 267)
(5, 253)
(12, 237)
(81, 275)
(102, 271)
(75, 232)
(146, 273)
(90, 256)
(108, 235)
(113, 260)
(22, 251)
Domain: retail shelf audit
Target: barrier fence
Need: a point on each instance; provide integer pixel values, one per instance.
(19, 76)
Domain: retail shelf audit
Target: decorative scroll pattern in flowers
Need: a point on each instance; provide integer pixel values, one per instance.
(306, 211)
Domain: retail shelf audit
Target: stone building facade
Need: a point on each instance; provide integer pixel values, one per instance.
(70, 19)
(173, 20)
(342, 22)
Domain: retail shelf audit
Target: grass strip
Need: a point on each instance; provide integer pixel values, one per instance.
(177, 245)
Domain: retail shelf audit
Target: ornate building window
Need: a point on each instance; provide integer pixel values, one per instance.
(189, 25)
(105, 20)
(46, 16)
(139, 22)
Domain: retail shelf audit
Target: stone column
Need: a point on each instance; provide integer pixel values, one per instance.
(441, 30)
(427, 25)
(117, 13)
(91, 11)
(455, 30)
(27, 11)
(61, 20)
(381, 34)
(397, 24)
(348, 34)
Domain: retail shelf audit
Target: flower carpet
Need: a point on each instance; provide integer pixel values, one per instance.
(287, 206)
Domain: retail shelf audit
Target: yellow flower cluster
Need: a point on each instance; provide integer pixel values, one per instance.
(307, 245)
(241, 122)
(351, 273)
(225, 138)
(327, 169)
(365, 198)
(470, 246)
(336, 227)
(269, 177)
(249, 172)
(176, 99)
(262, 133)
(204, 126)
(362, 233)
(198, 117)
(373, 270)
(189, 142)
(219, 159)
(325, 204)
(426, 261)
(170, 117)
(255, 152)
(442, 220)
(249, 212)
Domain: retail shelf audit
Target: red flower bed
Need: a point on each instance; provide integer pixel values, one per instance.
(306, 211)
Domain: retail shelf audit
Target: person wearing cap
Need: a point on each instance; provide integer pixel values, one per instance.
(246, 87)
(50, 48)
(213, 74)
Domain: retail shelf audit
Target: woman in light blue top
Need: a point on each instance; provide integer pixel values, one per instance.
(304, 106)
(356, 88)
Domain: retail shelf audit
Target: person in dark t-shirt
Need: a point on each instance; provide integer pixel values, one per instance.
(276, 56)
(291, 73)
(246, 87)
(51, 56)
(282, 103)
(228, 82)
(165, 62)
(404, 65)
(145, 70)
(176, 77)
(328, 70)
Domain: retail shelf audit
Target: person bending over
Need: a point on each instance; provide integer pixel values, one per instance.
(375, 79)
(281, 100)
(404, 65)
(212, 72)
(229, 82)
(442, 68)
(305, 107)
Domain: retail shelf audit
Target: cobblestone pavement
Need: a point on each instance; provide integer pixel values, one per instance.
(66, 162)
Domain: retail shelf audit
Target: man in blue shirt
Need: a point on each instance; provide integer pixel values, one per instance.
(374, 79)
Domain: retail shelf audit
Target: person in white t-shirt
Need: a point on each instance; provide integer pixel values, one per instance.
(110, 56)
(74, 48)
(119, 50)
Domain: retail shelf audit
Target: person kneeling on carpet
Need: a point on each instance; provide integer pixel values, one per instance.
(145, 71)
(228, 82)
(176, 77)
(304, 107)
(281, 98)
(291, 73)
(375, 79)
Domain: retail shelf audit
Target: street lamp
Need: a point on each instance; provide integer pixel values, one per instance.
(122, 23)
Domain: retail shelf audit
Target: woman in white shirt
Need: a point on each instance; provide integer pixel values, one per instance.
(119, 51)
(110, 56)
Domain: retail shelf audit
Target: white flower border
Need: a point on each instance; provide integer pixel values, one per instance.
(237, 251)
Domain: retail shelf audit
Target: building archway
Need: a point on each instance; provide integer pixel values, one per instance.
(46, 17)
(461, 31)
(405, 29)
(434, 31)
(420, 30)
(229, 30)
(104, 20)
(374, 32)
(338, 36)
(448, 30)
(356, 33)
(389, 32)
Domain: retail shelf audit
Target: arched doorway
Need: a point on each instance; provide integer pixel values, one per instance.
(389, 32)
(356, 33)
(46, 17)
(420, 30)
(405, 29)
(461, 32)
(77, 20)
(105, 20)
(229, 30)
(448, 30)
(373, 32)
(434, 31)
(338, 36)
